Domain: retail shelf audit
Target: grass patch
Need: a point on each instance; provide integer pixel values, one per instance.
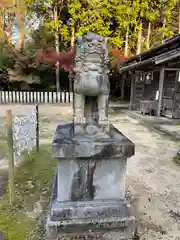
(32, 181)
(3, 147)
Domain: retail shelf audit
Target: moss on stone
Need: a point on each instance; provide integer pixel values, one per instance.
(32, 181)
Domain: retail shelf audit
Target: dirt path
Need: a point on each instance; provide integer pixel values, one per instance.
(153, 179)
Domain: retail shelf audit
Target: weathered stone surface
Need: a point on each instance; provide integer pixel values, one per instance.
(100, 207)
(88, 211)
(121, 233)
(112, 229)
(108, 172)
(91, 84)
(87, 166)
(66, 170)
(66, 144)
(88, 198)
(109, 179)
(105, 218)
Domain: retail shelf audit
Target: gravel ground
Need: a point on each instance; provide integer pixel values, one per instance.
(153, 180)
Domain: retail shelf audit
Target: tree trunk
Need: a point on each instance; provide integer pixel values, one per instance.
(179, 22)
(71, 76)
(148, 36)
(8, 30)
(139, 42)
(57, 47)
(20, 43)
(2, 34)
(126, 42)
(72, 36)
(122, 86)
(164, 25)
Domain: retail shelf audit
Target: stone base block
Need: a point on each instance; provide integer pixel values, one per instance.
(68, 212)
(117, 234)
(106, 220)
(56, 232)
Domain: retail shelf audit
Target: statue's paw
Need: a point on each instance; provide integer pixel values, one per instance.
(103, 121)
(106, 128)
(79, 120)
(83, 121)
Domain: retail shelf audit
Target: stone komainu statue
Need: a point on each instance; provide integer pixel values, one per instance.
(91, 84)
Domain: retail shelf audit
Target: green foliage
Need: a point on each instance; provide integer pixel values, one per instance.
(5, 58)
(33, 180)
(43, 37)
(39, 7)
(97, 16)
(108, 18)
(89, 16)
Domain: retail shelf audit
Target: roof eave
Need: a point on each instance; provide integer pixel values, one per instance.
(136, 65)
(154, 49)
(158, 60)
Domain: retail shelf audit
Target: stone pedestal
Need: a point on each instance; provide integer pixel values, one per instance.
(88, 197)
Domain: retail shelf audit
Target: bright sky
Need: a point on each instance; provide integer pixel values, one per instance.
(32, 24)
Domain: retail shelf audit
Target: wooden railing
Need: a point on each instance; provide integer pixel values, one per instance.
(29, 97)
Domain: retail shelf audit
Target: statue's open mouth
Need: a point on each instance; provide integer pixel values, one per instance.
(96, 51)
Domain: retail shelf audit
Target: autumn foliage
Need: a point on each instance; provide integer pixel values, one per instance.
(117, 58)
(119, 55)
(66, 59)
